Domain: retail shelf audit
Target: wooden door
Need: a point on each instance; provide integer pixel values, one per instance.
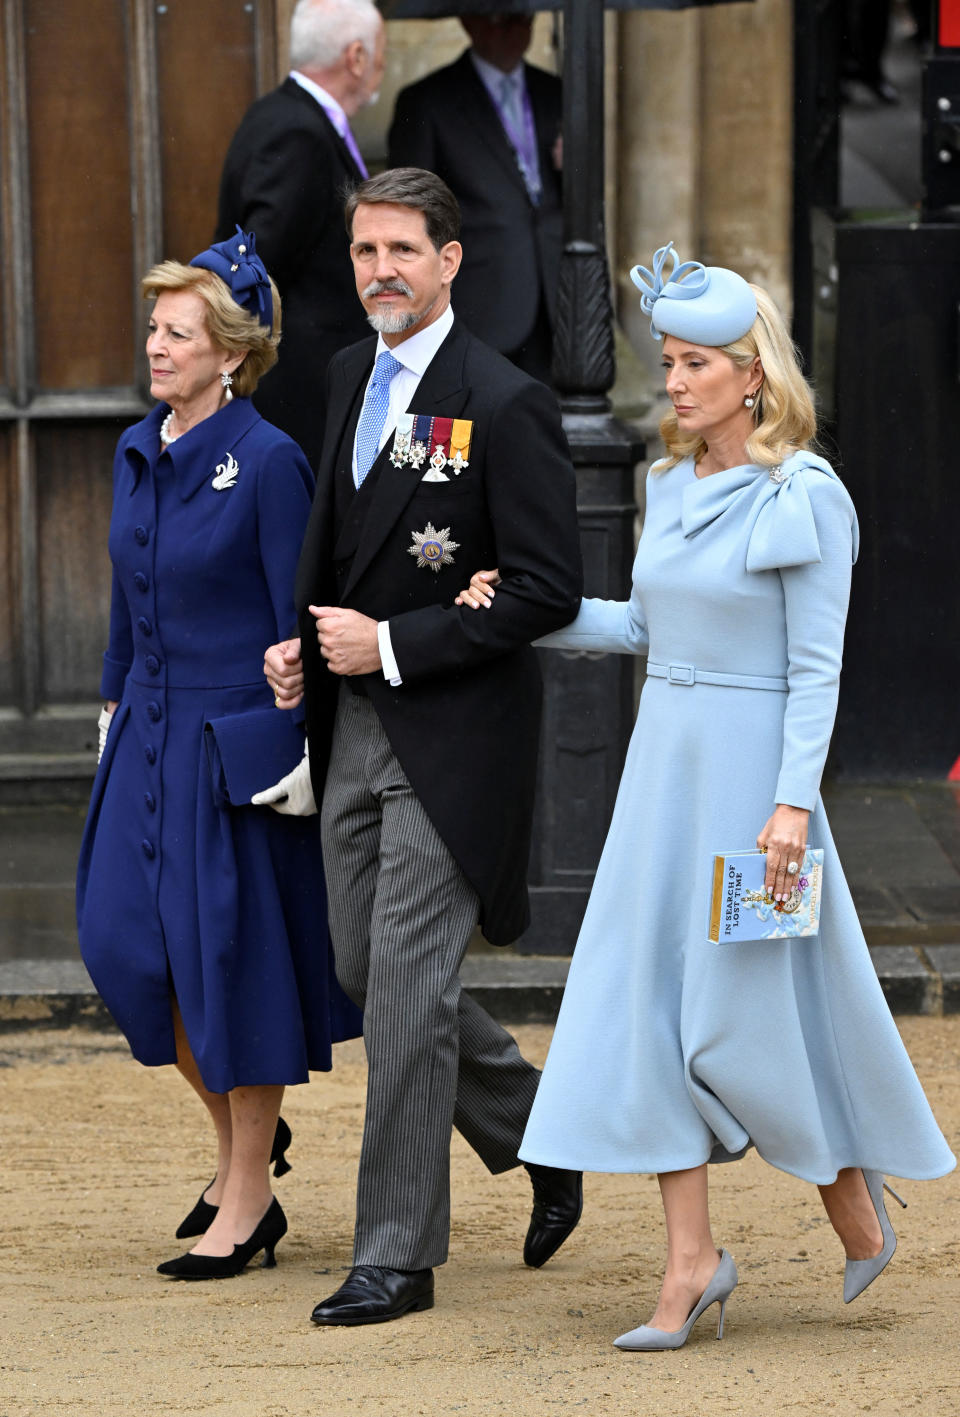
(114, 119)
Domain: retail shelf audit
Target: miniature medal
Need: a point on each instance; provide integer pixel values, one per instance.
(432, 548)
(400, 454)
(461, 434)
(437, 464)
(226, 473)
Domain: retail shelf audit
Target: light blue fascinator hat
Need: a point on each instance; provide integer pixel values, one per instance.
(236, 262)
(700, 304)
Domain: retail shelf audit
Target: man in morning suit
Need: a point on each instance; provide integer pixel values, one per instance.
(284, 178)
(439, 457)
(489, 125)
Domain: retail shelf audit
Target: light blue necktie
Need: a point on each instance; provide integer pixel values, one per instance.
(374, 414)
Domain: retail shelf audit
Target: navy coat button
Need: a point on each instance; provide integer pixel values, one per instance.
(151, 801)
(148, 849)
(152, 664)
(150, 753)
(142, 535)
(154, 712)
(140, 580)
(144, 626)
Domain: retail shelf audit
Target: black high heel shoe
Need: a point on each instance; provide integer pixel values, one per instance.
(265, 1237)
(203, 1214)
(282, 1138)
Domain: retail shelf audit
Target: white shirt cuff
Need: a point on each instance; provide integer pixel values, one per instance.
(390, 671)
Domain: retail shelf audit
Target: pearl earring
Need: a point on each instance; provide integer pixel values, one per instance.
(226, 380)
(751, 399)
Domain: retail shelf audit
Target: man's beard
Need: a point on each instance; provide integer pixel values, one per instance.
(393, 322)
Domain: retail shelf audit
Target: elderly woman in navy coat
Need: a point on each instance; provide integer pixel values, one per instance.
(202, 919)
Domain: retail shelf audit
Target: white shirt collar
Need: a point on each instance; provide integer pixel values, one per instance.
(494, 77)
(325, 100)
(416, 352)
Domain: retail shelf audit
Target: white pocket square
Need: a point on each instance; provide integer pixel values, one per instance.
(434, 475)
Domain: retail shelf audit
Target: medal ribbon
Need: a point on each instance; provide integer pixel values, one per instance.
(440, 434)
(460, 435)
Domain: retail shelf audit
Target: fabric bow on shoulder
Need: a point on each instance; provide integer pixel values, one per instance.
(781, 525)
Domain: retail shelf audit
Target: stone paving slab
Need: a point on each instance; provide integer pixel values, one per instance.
(514, 989)
(946, 961)
(900, 845)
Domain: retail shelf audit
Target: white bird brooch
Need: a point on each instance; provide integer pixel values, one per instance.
(226, 473)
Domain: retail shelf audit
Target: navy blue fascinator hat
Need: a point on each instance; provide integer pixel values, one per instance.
(700, 304)
(236, 262)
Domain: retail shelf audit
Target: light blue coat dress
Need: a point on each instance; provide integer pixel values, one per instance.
(669, 1050)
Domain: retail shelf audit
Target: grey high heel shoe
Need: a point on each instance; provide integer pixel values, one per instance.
(653, 1340)
(859, 1273)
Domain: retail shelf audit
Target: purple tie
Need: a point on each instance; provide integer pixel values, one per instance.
(352, 148)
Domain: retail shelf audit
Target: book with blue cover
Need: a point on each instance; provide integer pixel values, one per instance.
(741, 909)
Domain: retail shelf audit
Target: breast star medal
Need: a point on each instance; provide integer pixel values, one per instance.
(432, 548)
(226, 473)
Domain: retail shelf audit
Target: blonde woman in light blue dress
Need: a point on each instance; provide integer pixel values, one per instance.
(671, 1052)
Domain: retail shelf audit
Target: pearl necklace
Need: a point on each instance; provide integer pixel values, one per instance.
(166, 436)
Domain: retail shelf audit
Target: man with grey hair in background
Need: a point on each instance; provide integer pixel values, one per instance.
(284, 178)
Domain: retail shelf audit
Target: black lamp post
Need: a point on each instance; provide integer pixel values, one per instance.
(588, 709)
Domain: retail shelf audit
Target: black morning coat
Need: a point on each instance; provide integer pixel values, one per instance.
(465, 722)
(284, 178)
(447, 123)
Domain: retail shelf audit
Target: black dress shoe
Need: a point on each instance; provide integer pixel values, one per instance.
(272, 1227)
(371, 1294)
(557, 1206)
(204, 1214)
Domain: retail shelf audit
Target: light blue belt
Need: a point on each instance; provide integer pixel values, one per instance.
(688, 675)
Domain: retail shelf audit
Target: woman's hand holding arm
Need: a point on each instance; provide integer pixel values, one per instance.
(784, 837)
(480, 591)
(283, 668)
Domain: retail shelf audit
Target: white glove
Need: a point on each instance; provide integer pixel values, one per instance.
(103, 728)
(293, 794)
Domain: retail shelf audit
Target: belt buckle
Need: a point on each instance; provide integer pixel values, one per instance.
(681, 674)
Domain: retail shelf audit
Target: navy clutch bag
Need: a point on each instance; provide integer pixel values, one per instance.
(247, 752)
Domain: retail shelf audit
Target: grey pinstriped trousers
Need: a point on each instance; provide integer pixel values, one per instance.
(401, 915)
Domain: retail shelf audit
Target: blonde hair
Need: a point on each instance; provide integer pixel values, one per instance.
(784, 416)
(229, 326)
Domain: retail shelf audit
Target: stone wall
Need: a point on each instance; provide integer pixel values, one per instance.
(703, 150)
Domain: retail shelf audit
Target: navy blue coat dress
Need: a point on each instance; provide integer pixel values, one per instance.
(181, 891)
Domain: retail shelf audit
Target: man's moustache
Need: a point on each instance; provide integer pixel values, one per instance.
(379, 287)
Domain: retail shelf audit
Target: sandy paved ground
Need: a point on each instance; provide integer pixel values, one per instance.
(102, 1158)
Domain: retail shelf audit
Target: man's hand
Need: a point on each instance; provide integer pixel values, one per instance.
(284, 670)
(348, 640)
